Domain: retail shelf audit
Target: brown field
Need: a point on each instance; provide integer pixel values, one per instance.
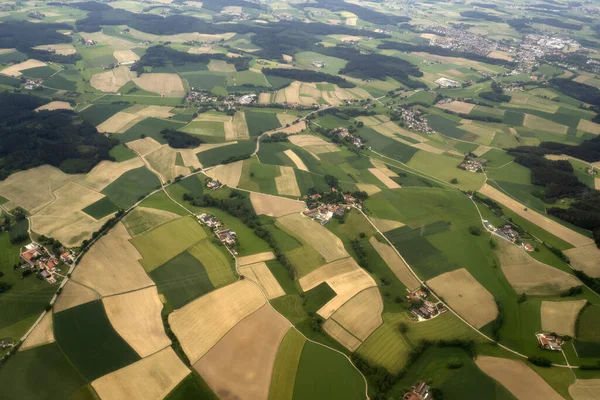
(285, 119)
(527, 275)
(260, 274)
(315, 235)
(155, 112)
(597, 183)
(255, 258)
(316, 144)
(287, 58)
(41, 334)
(106, 172)
(428, 148)
(292, 93)
(55, 105)
(340, 334)
(361, 315)
(136, 316)
(369, 121)
(558, 230)
(466, 296)
(264, 98)
(143, 146)
(274, 206)
(7, 51)
(240, 366)
(560, 316)
(151, 378)
(286, 182)
(189, 157)
(398, 267)
(119, 122)
(327, 272)
(588, 126)
(367, 187)
(237, 127)
(535, 122)
(385, 225)
(220, 66)
(125, 56)
(346, 286)
(200, 324)
(73, 295)
(111, 265)
(502, 55)
(586, 259)
(585, 389)
(380, 165)
(518, 378)
(167, 85)
(111, 81)
(290, 130)
(15, 70)
(390, 184)
(457, 107)
(296, 160)
(46, 179)
(228, 174)
(162, 160)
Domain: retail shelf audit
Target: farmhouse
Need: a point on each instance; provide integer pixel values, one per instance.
(470, 165)
(527, 246)
(507, 232)
(421, 308)
(246, 99)
(213, 184)
(549, 342)
(318, 64)
(420, 391)
(227, 236)
(31, 84)
(209, 220)
(36, 257)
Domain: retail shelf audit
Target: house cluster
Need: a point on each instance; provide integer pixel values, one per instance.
(423, 309)
(88, 42)
(413, 119)
(247, 99)
(36, 15)
(527, 246)
(318, 64)
(446, 83)
(549, 341)
(421, 391)
(32, 84)
(213, 184)
(508, 233)
(200, 97)
(459, 38)
(323, 212)
(351, 41)
(471, 165)
(210, 221)
(591, 171)
(37, 258)
(226, 236)
(4, 344)
(344, 133)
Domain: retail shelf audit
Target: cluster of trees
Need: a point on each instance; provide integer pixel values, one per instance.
(540, 361)
(484, 118)
(495, 96)
(360, 252)
(59, 138)
(592, 283)
(579, 91)
(440, 51)
(571, 292)
(160, 55)
(379, 377)
(218, 5)
(497, 323)
(180, 140)
(276, 137)
(104, 228)
(308, 76)
(364, 13)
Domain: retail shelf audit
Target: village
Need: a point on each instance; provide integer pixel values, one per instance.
(414, 119)
(323, 211)
(225, 235)
(345, 135)
(38, 259)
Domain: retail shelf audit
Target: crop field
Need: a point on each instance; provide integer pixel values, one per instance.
(98, 113)
(275, 206)
(260, 122)
(260, 177)
(560, 316)
(192, 386)
(395, 263)
(163, 161)
(151, 128)
(251, 345)
(286, 366)
(216, 260)
(167, 85)
(163, 243)
(73, 295)
(260, 274)
(286, 182)
(585, 258)
(111, 81)
(215, 156)
(228, 174)
(584, 389)
(17, 69)
(129, 187)
(143, 219)
(87, 338)
(361, 315)
(42, 334)
(386, 347)
(444, 167)
(101, 208)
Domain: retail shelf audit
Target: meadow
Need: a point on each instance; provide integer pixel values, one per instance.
(101, 208)
(260, 122)
(131, 187)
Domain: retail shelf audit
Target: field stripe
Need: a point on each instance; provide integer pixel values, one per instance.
(286, 366)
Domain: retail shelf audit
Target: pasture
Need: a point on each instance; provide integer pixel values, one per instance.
(216, 260)
(127, 189)
(101, 208)
(142, 219)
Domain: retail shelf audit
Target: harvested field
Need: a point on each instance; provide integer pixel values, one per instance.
(260, 274)
(73, 295)
(111, 81)
(125, 56)
(286, 182)
(143, 219)
(162, 160)
(466, 296)
(361, 315)
(481, 150)
(189, 157)
(346, 286)
(111, 265)
(340, 334)
(15, 70)
(144, 146)
(585, 389)
(274, 206)
(287, 58)
(106, 172)
(154, 112)
(228, 174)
(42, 333)
(560, 316)
(588, 126)
(427, 147)
(136, 316)
(55, 105)
(62, 49)
(390, 184)
(518, 378)
(562, 232)
(380, 165)
(296, 160)
(240, 365)
(285, 119)
(527, 275)
(290, 130)
(457, 107)
(152, 378)
(585, 258)
(168, 85)
(385, 225)
(367, 187)
(316, 144)
(202, 323)
(119, 122)
(502, 55)
(315, 235)
(535, 122)
(237, 129)
(327, 272)
(46, 179)
(255, 258)
(292, 93)
(220, 66)
(398, 267)
(264, 98)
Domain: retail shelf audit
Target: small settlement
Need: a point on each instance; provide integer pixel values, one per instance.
(471, 165)
(421, 308)
(213, 184)
(323, 211)
(549, 341)
(420, 391)
(38, 259)
(225, 235)
(345, 135)
(506, 232)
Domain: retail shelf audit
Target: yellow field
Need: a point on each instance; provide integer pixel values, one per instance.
(466, 296)
(535, 122)
(55, 105)
(41, 334)
(220, 66)
(390, 184)
(154, 111)
(167, 85)
(136, 316)
(286, 119)
(560, 316)
(518, 378)
(385, 225)
(73, 295)
(481, 150)
(240, 365)
(361, 315)
(340, 334)
(589, 126)
(143, 146)
(199, 325)
(398, 267)
(111, 265)
(255, 258)
(586, 259)
(237, 129)
(367, 187)
(264, 98)
(15, 70)
(106, 172)
(162, 160)
(111, 81)
(228, 174)
(274, 206)
(457, 107)
(346, 286)
(119, 122)
(290, 130)
(315, 235)
(286, 182)
(142, 219)
(260, 274)
(296, 160)
(125, 56)
(585, 389)
(151, 378)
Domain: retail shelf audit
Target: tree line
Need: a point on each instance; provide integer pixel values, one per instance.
(307, 76)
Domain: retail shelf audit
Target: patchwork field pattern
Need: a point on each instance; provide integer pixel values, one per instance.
(274, 206)
(260, 274)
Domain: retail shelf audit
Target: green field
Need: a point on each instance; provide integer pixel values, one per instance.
(98, 113)
(39, 72)
(121, 153)
(139, 221)
(386, 347)
(192, 387)
(213, 129)
(89, 341)
(150, 127)
(286, 366)
(217, 156)
(161, 201)
(588, 335)
(259, 177)
(131, 187)
(165, 242)
(101, 208)
(55, 377)
(205, 80)
(59, 82)
(445, 168)
(260, 122)
(216, 260)
(332, 64)
(388, 147)
(325, 374)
